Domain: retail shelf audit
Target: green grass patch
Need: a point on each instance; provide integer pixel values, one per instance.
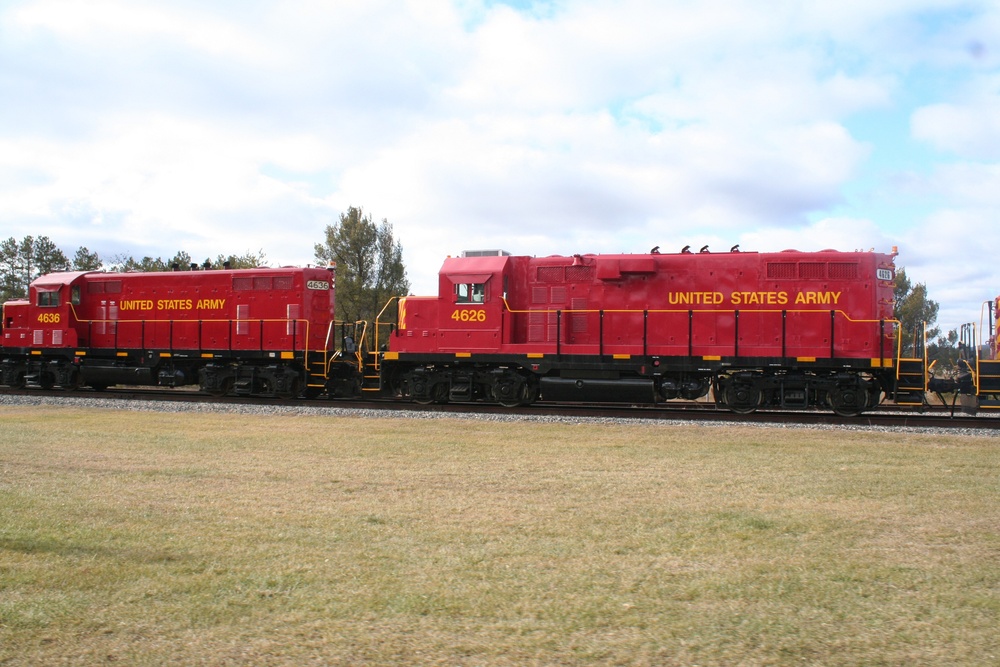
(152, 538)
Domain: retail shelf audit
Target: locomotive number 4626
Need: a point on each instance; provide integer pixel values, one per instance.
(469, 315)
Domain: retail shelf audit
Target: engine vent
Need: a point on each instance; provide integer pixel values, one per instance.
(485, 253)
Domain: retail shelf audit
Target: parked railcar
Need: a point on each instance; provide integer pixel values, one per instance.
(788, 329)
(261, 332)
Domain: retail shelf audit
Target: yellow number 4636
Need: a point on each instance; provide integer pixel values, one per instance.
(469, 315)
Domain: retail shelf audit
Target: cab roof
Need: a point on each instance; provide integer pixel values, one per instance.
(58, 279)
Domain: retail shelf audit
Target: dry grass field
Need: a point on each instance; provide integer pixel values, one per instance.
(145, 538)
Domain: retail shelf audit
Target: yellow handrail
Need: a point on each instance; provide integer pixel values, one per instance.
(259, 320)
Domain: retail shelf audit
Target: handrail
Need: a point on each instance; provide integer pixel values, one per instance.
(377, 353)
(736, 312)
(717, 311)
(900, 357)
(305, 349)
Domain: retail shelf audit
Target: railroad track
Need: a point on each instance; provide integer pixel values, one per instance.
(887, 416)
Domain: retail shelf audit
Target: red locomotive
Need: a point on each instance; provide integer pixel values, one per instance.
(254, 331)
(788, 329)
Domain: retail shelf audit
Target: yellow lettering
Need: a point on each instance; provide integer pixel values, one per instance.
(759, 298)
(695, 298)
(211, 304)
(466, 315)
(174, 304)
(818, 298)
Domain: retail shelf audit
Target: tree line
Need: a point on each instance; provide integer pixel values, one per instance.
(23, 261)
(369, 261)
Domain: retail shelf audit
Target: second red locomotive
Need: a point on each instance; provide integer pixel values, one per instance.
(262, 332)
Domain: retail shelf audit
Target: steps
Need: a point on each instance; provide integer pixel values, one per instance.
(911, 382)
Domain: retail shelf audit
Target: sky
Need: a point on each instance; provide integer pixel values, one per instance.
(144, 127)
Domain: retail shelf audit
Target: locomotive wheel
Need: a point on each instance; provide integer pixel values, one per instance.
(292, 390)
(742, 398)
(75, 381)
(526, 395)
(437, 394)
(224, 388)
(420, 390)
(511, 391)
(848, 401)
(530, 394)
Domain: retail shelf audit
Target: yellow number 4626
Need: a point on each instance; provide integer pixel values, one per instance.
(469, 315)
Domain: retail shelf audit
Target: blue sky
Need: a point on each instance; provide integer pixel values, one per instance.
(147, 127)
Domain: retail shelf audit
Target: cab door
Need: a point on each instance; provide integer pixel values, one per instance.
(50, 323)
(472, 321)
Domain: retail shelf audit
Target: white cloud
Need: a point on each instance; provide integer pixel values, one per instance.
(845, 234)
(112, 25)
(956, 265)
(970, 130)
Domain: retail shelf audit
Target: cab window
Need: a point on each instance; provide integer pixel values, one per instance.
(470, 293)
(48, 299)
(74, 295)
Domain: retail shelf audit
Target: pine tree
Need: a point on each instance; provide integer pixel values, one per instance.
(84, 260)
(914, 310)
(23, 261)
(370, 268)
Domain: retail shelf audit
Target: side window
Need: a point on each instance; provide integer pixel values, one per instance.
(48, 299)
(470, 293)
(74, 295)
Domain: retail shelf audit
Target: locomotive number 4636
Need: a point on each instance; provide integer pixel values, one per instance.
(469, 315)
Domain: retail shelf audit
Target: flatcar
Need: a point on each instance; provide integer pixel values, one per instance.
(977, 383)
(762, 330)
(255, 332)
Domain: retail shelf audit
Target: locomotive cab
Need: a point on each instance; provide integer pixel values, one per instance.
(468, 314)
(39, 331)
(52, 298)
(440, 335)
(472, 293)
